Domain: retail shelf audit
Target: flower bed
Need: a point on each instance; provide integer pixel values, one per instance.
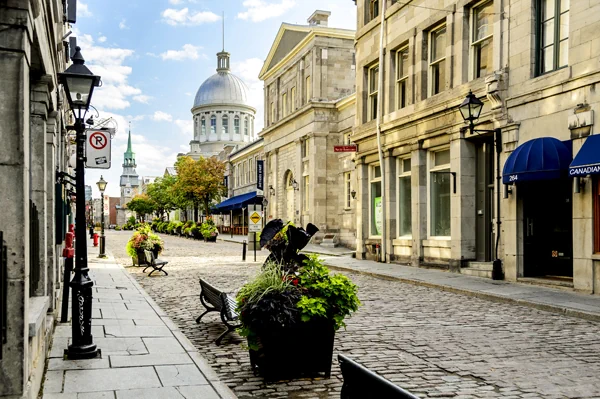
(144, 240)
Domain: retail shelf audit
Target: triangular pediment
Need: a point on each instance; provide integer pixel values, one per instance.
(288, 37)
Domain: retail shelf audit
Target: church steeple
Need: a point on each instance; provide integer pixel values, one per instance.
(129, 156)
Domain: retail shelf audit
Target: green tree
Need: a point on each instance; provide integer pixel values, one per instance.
(161, 193)
(200, 182)
(141, 205)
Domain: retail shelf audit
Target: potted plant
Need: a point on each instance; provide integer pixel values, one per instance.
(293, 302)
(209, 230)
(143, 239)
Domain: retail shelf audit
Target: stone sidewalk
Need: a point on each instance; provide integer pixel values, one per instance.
(144, 355)
(540, 297)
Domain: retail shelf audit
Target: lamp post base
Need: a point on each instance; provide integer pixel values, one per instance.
(82, 352)
(102, 247)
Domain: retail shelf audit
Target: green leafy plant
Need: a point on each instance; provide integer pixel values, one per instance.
(144, 239)
(208, 228)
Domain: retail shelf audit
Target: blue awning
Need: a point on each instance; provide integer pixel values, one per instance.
(237, 202)
(587, 160)
(544, 158)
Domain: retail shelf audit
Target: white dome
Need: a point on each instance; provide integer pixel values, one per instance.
(222, 88)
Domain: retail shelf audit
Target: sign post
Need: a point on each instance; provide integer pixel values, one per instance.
(97, 149)
(254, 224)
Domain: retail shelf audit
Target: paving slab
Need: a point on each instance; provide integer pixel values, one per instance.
(110, 379)
(180, 375)
(150, 359)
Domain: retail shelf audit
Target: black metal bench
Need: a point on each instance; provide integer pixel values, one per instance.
(362, 383)
(216, 301)
(156, 264)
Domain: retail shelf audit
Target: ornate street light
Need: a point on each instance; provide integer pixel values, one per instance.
(79, 83)
(102, 186)
(295, 184)
(470, 110)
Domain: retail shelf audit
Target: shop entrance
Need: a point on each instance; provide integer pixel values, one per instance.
(548, 228)
(484, 199)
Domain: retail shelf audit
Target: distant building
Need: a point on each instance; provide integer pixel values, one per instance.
(114, 203)
(130, 183)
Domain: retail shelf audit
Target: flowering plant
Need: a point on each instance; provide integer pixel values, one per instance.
(144, 239)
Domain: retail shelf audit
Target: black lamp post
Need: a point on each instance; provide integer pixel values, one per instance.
(79, 83)
(102, 186)
(470, 110)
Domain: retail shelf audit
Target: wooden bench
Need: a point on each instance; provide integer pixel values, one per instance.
(156, 264)
(362, 383)
(216, 301)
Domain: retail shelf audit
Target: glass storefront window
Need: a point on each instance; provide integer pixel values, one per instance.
(375, 201)
(439, 191)
(404, 198)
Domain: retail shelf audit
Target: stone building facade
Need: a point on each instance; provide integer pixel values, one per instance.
(308, 74)
(534, 66)
(35, 145)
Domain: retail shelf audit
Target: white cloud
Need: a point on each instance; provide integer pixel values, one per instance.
(102, 39)
(187, 52)
(259, 10)
(142, 98)
(175, 2)
(162, 116)
(123, 24)
(83, 10)
(187, 93)
(248, 71)
(184, 17)
(186, 126)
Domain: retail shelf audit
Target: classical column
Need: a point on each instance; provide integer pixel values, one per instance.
(51, 248)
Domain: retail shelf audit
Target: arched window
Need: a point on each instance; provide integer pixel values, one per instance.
(213, 124)
(236, 125)
(203, 125)
(245, 126)
(225, 122)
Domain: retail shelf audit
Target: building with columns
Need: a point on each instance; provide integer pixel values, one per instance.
(431, 200)
(130, 183)
(222, 114)
(35, 146)
(309, 91)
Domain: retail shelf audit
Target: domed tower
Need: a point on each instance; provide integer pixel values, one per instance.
(222, 115)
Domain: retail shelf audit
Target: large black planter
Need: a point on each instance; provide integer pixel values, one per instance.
(211, 239)
(289, 353)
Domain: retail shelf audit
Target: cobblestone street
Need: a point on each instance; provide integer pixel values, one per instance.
(431, 342)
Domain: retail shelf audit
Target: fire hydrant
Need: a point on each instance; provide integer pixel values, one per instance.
(95, 239)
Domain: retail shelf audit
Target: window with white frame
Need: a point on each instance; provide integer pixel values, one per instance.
(225, 125)
(245, 126)
(482, 35)
(347, 190)
(439, 193)
(347, 138)
(553, 35)
(203, 125)
(401, 77)
(236, 125)
(437, 60)
(306, 192)
(372, 11)
(213, 124)
(375, 203)
(373, 87)
(404, 198)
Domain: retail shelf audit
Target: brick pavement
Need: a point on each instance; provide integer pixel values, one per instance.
(433, 343)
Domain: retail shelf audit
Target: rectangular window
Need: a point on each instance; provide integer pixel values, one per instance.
(401, 77)
(404, 198)
(439, 191)
(293, 99)
(305, 151)
(375, 202)
(348, 189)
(347, 139)
(482, 19)
(553, 35)
(284, 105)
(308, 89)
(272, 112)
(203, 125)
(437, 60)
(225, 125)
(373, 11)
(306, 192)
(213, 124)
(373, 86)
(596, 191)
(236, 125)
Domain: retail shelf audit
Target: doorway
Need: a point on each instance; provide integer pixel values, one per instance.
(548, 228)
(484, 201)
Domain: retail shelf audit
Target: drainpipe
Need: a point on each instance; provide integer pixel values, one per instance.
(383, 257)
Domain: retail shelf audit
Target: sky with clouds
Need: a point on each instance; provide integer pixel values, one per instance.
(153, 55)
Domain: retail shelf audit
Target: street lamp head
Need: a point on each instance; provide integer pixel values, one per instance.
(78, 82)
(271, 190)
(102, 184)
(353, 193)
(295, 184)
(470, 108)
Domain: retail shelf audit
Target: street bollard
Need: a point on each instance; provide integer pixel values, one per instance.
(244, 250)
(68, 254)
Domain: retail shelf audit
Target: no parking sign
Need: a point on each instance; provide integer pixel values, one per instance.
(97, 149)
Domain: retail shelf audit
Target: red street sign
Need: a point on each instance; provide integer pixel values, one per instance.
(98, 140)
(344, 148)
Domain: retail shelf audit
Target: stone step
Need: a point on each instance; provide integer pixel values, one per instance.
(478, 269)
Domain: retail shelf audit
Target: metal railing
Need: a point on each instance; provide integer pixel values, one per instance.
(34, 248)
(3, 293)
